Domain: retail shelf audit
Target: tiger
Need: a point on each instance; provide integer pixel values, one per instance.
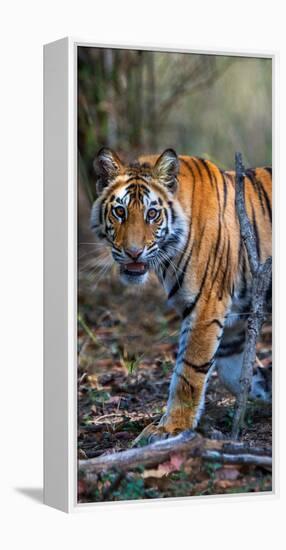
(175, 215)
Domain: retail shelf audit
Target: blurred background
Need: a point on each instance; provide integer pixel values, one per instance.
(143, 102)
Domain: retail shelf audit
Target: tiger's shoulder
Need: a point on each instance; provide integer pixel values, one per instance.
(206, 178)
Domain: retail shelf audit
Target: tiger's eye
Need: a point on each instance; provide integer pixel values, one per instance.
(120, 211)
(152, 214)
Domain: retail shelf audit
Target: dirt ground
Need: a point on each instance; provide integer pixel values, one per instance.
(127, 345)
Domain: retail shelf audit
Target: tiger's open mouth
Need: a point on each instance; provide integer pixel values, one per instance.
(135, 268)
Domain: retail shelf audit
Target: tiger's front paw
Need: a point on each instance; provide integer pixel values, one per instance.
(158, 431)
(150, 434)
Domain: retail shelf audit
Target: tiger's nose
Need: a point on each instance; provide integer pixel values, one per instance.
(134, 252)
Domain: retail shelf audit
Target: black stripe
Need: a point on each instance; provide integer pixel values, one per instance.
(185, 331)
(217, 322)
(218, 240)
(173, 215)
(234, 348)
(243, 291)
(184, 379)
(205, 164)
(260, 196)
(116, 248)
(226, 272)
(131, 186)
(105, 212)
(181, 277)
(144, 191)
(218, 265)
(190, 226)
(251, 174)
(191, 306)
(269, 294)
(164, 266)
(217, 195)
(116, 255)
(180, 355)
(224, 189)
(137, 179)
(256, 233)
(268, 169)
(184, 252)
(199, 368)
(189, 167)
(267, 201)
(196, 161)
(201, 238)
(215, 183)
(204, 369)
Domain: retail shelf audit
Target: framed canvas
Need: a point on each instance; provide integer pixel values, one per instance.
(158, 287)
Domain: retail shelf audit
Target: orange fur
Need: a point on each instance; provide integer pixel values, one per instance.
(212, 273)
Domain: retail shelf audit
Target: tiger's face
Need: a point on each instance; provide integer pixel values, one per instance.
(137, 212)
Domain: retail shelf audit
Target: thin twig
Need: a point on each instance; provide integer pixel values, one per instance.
(87, 329)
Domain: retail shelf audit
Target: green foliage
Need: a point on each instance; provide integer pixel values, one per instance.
(86, 419)
(117, 486)
(167, 366)
(181, 484)
(98, 396)
(133, 488)
(228, 418)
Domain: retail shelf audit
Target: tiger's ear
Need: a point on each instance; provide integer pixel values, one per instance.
(166, 169)
(107, 166)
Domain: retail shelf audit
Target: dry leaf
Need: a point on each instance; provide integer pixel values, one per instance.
(166, 468)
(92, 380)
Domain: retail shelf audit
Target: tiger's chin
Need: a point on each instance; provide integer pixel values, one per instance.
(135, 273)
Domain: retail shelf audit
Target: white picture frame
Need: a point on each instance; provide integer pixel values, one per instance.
(60, 270)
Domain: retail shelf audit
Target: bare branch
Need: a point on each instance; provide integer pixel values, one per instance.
(261, 278)
(246, 229)
(189, 443)
(224, 458)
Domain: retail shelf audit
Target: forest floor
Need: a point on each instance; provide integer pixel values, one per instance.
(127, 344)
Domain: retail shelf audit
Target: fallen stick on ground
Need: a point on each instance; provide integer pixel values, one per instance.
(225, 458)
(188, 442)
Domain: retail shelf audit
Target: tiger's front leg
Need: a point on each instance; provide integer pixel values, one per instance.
(195, 362)
(198, 344)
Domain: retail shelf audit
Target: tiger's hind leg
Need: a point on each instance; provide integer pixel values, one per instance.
(230, 357)
(229, 364)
